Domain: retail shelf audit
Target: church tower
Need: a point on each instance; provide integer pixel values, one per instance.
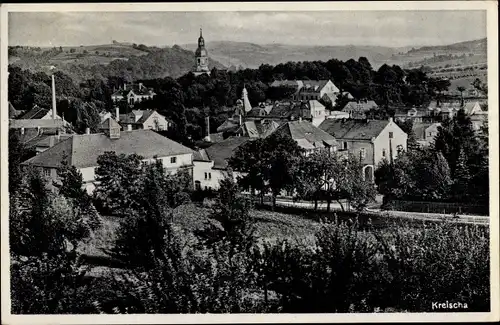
(201, 57)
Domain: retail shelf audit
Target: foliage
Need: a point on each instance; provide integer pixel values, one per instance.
(18, 153)
(118, 181)
(421, 175)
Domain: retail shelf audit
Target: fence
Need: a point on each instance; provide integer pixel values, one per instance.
(437, 207)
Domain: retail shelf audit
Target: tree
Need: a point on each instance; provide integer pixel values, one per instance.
(462, 177)
(461, 89)
(250, 159)
(407, 127)
(118, 181)
(283, 153)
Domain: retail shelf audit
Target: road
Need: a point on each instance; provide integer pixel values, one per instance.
(375, 208)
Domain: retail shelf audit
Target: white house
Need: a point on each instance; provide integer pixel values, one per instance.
(144, 119)
(82, 151)
(211, 164)
(371, 141)
(133, 93)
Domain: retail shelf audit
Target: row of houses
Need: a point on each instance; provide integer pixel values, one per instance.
(372, 141)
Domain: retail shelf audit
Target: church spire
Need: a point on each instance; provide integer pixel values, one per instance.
(201, 33)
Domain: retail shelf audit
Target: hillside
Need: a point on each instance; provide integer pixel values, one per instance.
(130, 61)
(250, 55)
(457, 54)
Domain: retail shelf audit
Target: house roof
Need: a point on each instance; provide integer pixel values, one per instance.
(47, 140)
(220, 152)
(314, 104)
(404, 112)
(285, 110)
(136, 116)
(353, 129)
(360, 106)
(34, 113)
(13, 112)
(313, 85)
(286, 83)
(36, 123)
(304, 131)
(137, 89)
(469, 106)
(83, 150)
(109, 123)
(228, 125)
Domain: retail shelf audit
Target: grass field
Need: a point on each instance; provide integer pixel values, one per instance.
(270, 226)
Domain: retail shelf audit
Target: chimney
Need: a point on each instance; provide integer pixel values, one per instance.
(87, 131)
(22, 131)
(140, 85)
(241, 122)
(117, 112)
(51, 141)
(390, 120)
(208, 129)
(129, 127)
(53, 97)
(124, 86)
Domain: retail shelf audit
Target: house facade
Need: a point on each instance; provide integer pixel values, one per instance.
(309, 137)
(133, 94)
(371, 141)
(211, 164)
(144, 119)
(82, 151)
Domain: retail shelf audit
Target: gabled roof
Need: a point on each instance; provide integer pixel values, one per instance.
(220, 152)
(109, 123)
(353, 129)
(362, 106)
(83, 150)
(228, 125)
(36, 123)
(314, 85)
(13, 113)
(304, 132)
(286, 83)
(34, 113)
(136, 116)
(469, 107)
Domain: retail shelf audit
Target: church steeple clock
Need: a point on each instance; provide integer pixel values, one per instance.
(201, 56)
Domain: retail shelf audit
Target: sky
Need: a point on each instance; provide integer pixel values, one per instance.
(378, 28)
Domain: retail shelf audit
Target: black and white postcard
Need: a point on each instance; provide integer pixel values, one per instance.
(249, 162)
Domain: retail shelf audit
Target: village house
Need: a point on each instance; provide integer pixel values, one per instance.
(133, 93)
(413, 114)
(144, 119)
(82, 151)
(370, 140)
(38, 113)
(311, 89)
(308, 137)
(425, 132)
(211, 164)
(313, 111)
(358, 109)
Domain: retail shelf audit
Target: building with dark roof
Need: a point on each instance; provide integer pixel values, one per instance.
(144, 119)
(370, 140)
(211, 164)
(82, 151)
(358, 109)
(133, 93)
(307, 136)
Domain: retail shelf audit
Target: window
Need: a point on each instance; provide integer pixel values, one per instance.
(206, 175)
(399, 149)
(344, 145)
(362, 153)
(391, 135)
(383, 152)
(46, 172)
(209, 175)
(173, 160)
